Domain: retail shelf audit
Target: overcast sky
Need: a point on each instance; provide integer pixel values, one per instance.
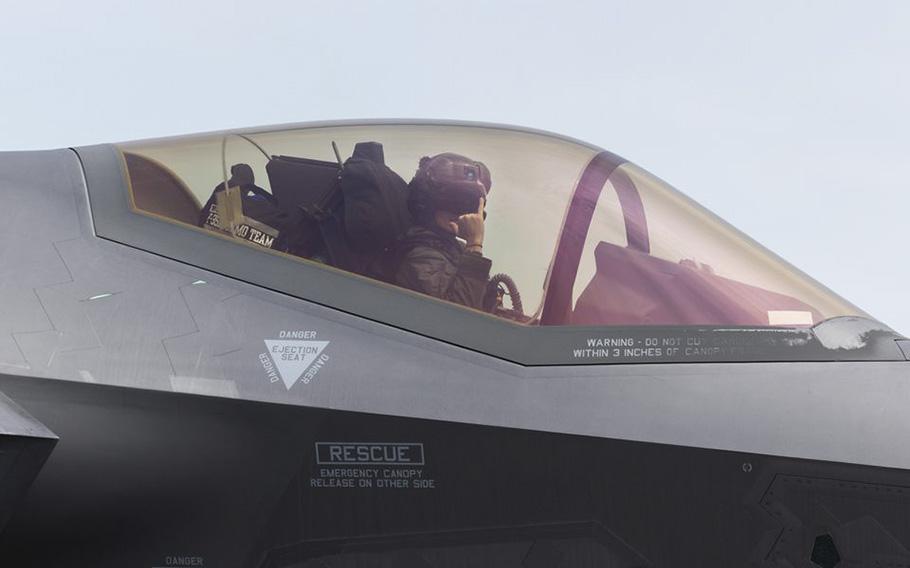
(789, 119)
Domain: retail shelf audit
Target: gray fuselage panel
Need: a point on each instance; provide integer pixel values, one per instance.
(80, 308)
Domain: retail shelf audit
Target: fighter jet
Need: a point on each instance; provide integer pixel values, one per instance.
(424, 344)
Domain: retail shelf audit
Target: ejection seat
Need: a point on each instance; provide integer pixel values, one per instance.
(632, 287)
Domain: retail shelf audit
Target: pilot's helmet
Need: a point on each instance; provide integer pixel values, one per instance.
(448, 182)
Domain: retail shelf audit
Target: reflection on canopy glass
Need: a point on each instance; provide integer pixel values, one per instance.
(530, 227)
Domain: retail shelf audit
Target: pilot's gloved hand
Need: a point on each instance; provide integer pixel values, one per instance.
(471, 229)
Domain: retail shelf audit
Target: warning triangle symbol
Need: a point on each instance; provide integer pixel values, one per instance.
(292, 357)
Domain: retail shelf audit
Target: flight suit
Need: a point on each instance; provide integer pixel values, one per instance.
(434, 262)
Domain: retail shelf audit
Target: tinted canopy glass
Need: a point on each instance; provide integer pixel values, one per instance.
(563, 234)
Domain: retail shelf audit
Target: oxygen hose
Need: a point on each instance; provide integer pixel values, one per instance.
(491, 295)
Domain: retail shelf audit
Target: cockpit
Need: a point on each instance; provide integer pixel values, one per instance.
(575, 236)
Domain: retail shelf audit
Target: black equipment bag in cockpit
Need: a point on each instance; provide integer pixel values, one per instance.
(375, 200)
(304, 184)
(350, 216)
(309, 192)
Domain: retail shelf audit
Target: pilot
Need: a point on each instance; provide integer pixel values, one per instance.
(442, 253)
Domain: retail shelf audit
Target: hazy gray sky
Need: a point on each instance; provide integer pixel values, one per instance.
(789, 119)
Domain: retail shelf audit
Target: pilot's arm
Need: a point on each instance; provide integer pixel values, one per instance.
(456, 276)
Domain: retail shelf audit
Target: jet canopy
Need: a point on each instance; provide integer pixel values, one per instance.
(584, 237)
